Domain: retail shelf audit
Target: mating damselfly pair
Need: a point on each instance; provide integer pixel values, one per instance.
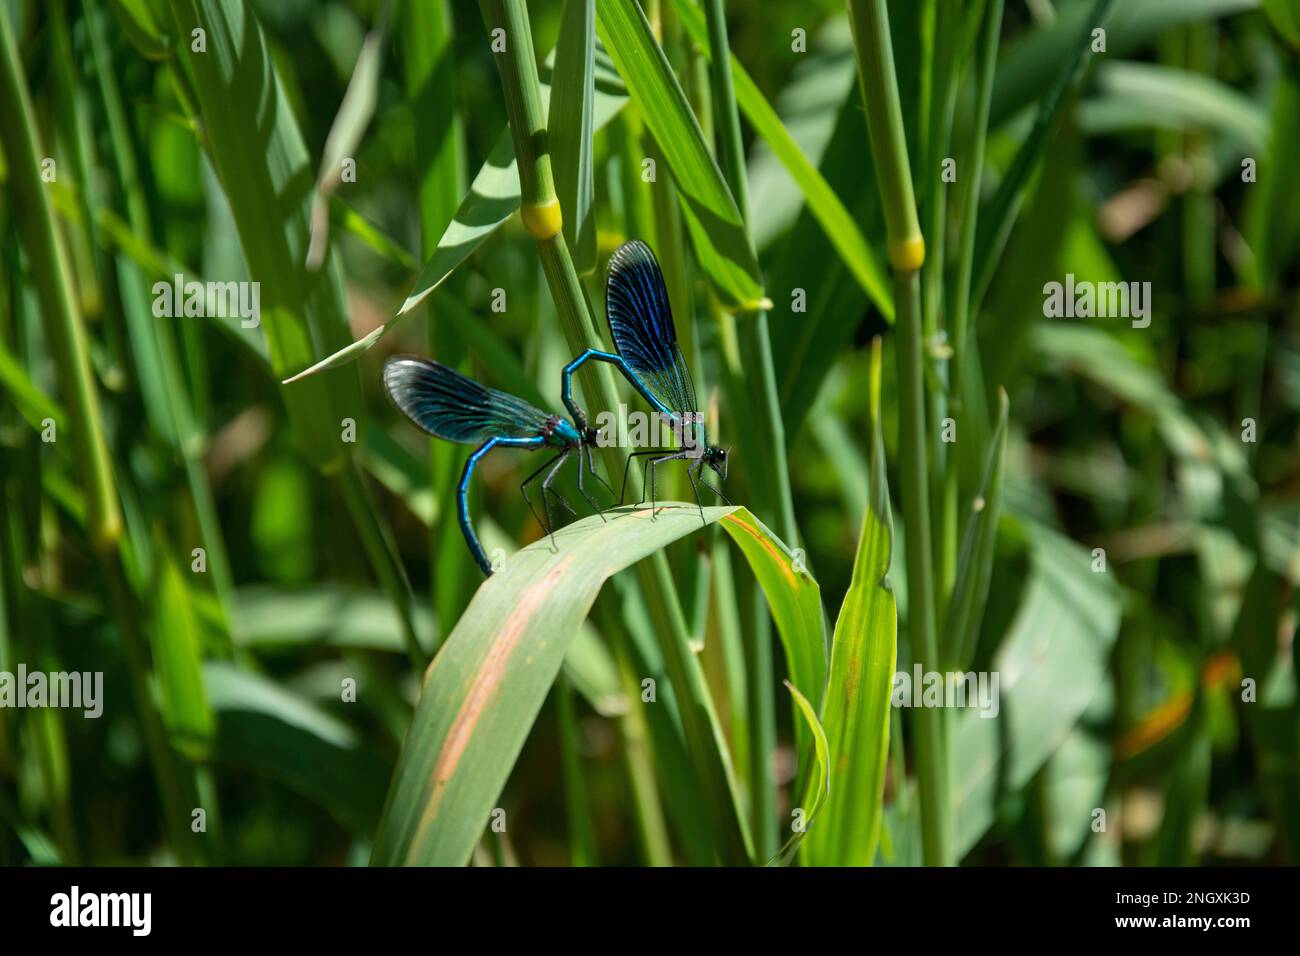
(456, 408)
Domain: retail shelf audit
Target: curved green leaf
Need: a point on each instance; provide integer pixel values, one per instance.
(819, 782)
(270, 731)
(326, 615)
(1285, 15)
(493, 198)
(1050, 665)
(839, 225)
(796, 605)
(1144, 95)
(345, 134)
(1030, 64)
(717, 230)
(487, 684)
(178, 663)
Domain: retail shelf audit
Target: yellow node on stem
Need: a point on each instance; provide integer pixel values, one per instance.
(907, 255)
(543, 221)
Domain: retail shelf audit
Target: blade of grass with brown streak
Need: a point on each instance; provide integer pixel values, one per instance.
(483, 691)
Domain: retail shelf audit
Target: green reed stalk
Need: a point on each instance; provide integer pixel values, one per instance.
(960, 294)
(773, 488)
(540, 212)
(973, 174)
(948, 29)
(638, 753)
(906, 247)
(755, 342)
(49, 267)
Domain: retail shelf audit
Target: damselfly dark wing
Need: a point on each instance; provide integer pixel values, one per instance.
(456, 408)
(641, 322)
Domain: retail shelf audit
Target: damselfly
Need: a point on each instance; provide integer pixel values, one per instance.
(641, 323)
(455, 408)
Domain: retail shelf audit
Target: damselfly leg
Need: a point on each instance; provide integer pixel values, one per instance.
(651, 467)
(627, 467)
(591, 466)
(546, 489)
(554, 464)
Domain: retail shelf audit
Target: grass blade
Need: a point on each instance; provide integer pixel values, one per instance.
(283, 737)
(995, 225)
(712, 218)
(856, 711)
(806, 345)
(819, 780)
(178, 663)
(975, 564)
(234, 82)
(1145, 95)
(571, 126)
(1050, 664)
(1030, 65)
(493, 197)
(47, 260)
(345, 134)
(823, 202)
(794, 600)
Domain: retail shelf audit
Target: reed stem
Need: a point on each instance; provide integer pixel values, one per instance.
(540, 211)
(34, 217)
(906, 248)
(771, 478)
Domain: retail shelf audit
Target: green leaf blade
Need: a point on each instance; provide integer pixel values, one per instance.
(836, 221)
(856, 711)
(716, 228)
(571, 125)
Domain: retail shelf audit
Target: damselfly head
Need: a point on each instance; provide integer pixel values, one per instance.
(717, 458)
